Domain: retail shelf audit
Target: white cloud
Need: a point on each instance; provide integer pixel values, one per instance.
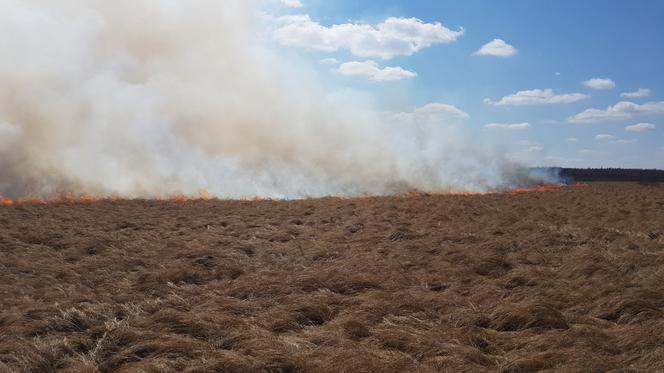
(600, 83)
(392, 37)
(604, 137)
(640, 127)
(572, 139)
(432, 112)
(292, 3)
(538, 97)
(508, 126)
(623, 141)
(535, 149)
(329, 61)
(621, 111)
(610, 139)
(642, 92)
(372, 70)
(496, 48)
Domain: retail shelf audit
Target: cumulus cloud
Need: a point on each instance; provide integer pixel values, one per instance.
(529, 147)
(623, 110)
(329, 61)
(292, 3)
(372, 70)
(508, 126)
(496, 48)
(537, 97)
(642, 92)
(604, 137)
(432, 112)
(610, 139)
(600, 83)
(623, 141)
(640, 127)
(390, 38)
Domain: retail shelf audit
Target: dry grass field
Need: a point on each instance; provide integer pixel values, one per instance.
(568, 280)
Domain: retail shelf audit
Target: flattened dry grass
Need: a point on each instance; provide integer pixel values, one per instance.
(569, 280)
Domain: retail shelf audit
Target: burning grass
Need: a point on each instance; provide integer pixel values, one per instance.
(205, 196)
(568, 280)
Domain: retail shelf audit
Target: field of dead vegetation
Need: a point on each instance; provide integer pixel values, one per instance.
(568, 280)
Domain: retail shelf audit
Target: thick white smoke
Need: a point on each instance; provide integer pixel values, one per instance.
(148, 98)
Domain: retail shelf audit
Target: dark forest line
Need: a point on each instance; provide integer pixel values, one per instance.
(570, 175)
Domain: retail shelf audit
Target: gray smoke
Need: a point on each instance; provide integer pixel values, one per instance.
(149, 98)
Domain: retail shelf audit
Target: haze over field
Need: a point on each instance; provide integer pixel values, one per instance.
(152, 98)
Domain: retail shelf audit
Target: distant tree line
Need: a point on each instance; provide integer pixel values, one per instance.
(570, 175)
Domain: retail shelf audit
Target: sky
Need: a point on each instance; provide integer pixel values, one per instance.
(555, 83)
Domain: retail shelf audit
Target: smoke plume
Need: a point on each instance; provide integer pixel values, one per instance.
(149, 98)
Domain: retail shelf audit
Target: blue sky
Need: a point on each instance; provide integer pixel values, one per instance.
(525, 91)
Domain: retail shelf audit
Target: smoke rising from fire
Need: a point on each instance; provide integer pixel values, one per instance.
(148, 98)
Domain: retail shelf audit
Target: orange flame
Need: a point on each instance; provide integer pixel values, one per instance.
(537, 189)
(180, 198)
(205, 196)
(64, 198)
(87, 198)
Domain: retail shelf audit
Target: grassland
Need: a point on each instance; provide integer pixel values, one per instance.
(569, 280)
